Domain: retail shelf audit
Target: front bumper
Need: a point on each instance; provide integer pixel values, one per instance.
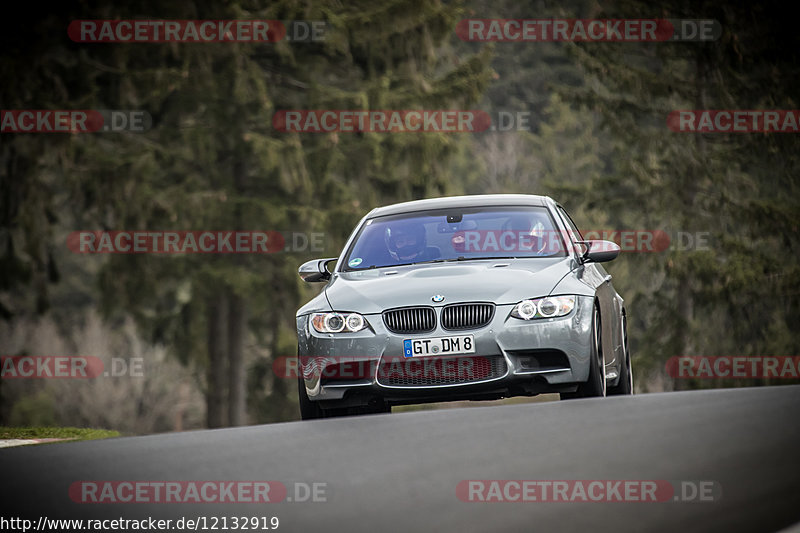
(527, 358)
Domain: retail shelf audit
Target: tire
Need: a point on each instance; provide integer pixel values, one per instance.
(625, 385)
(311, 410)
(308, 410)
(595, 386)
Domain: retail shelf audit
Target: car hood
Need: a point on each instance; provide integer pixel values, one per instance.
(498, 281)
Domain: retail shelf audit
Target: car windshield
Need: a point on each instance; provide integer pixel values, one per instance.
(455, 235)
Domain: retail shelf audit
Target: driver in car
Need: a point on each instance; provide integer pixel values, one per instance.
(407, 243)
(529, 234)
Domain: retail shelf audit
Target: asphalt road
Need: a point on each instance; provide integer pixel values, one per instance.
(399, 472)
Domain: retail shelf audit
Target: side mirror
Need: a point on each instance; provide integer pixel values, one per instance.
(599, 251)
(316, 270)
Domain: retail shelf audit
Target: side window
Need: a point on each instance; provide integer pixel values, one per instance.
(573, 229)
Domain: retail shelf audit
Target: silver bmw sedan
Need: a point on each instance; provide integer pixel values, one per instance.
(461, 298)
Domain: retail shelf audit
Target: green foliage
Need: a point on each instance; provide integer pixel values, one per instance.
(741, 189)
(213, 160)
(45, 432)
(36, 409)
(598, 143)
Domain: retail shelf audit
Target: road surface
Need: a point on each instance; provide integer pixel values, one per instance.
(399, 472)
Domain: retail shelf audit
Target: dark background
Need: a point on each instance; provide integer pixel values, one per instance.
(209, 327)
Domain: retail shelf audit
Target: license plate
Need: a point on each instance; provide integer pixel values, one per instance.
(458, 344)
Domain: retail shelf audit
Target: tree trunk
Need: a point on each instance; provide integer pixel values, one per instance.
(688, 196)
(281, 408)
(237, 318)
(217, 345)
(237, 379)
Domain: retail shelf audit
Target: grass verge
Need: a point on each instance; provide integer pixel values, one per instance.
(55, 433)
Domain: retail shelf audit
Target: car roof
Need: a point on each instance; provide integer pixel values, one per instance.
(448, 202)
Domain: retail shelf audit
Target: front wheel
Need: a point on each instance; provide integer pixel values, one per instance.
(595, 386)
(625, 385)
(308, 410)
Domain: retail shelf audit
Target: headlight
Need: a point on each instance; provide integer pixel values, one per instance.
(549, 307)
(338, 322)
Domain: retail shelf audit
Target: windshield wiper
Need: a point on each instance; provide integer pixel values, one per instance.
(451, 260)
(431, 261)
(462, 258)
